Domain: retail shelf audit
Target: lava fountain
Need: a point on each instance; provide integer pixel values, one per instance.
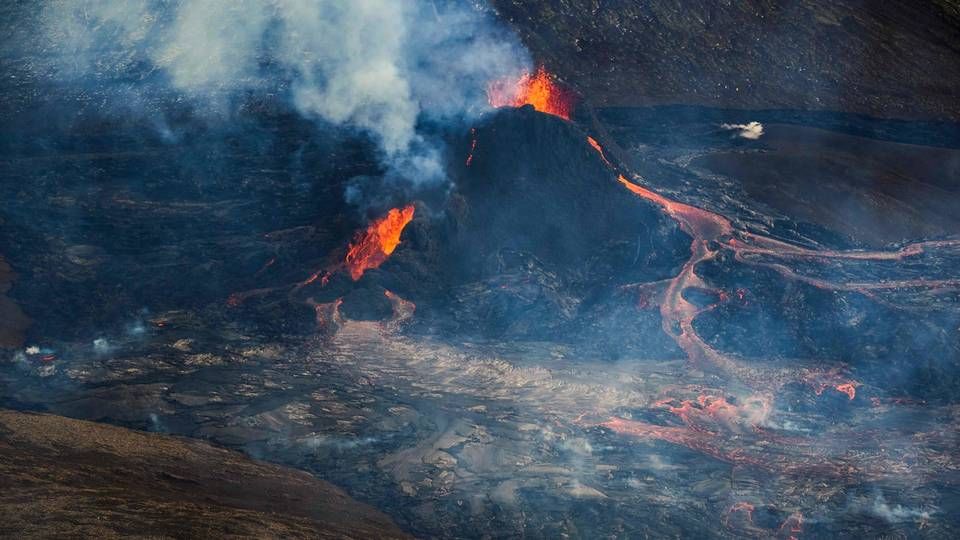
(373, 246)
(538, 89)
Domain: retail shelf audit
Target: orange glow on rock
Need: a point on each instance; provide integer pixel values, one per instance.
(473, 145)
(538, 89)
(850, 389)
(373, 246)
(596, 146)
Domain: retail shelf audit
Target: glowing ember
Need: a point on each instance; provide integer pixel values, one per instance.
(744, 507)
(793, 525)
(596, 146)
(322, 275)
(373, 247)
(473, 145)
(537, 89)
(849, 389)
(708, 413)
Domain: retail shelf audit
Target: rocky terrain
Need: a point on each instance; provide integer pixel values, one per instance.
(606, 320)
(534, 388)
(895, 60)
(67, 478)
(14, 321)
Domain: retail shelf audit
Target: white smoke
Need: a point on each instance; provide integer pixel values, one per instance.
(897, 513)
(380, 66)
(102, 346)
(752, 130)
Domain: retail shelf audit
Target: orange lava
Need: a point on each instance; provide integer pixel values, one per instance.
(473, 145)
(697, 222)
(712, 413)
(744, 507)
(596, 146)
(792, 526)
(323, 275)
(849, 389)
(373, 246)
(537, 89)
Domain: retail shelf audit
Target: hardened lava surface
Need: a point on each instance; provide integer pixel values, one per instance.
(602, 332)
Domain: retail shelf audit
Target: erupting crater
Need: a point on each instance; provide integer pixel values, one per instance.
(373, 246)
(538, 89)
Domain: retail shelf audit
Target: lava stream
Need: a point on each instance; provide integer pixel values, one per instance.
(712, 232)
(676, 312)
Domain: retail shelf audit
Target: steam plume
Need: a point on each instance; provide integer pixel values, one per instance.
(380, 66)
(752, 130)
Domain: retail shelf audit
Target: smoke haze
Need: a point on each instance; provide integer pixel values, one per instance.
(378, 66)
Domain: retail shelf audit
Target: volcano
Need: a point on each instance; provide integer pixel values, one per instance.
(555, 276)
(559, 312)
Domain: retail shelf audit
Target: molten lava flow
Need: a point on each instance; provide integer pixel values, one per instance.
(714, 413)
(737, 432)
(596, 146)
(676, 312)
(744, 507)
(373, 247)
(699, 223)
(850, 389)
(369, 249)
(537, 89)
(792, 526)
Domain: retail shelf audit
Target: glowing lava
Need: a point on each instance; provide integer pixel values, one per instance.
(373, 247)
(714, 413)
(473, 145)
(537, 89)
(850, 389)
(596, 146)
(370, 248)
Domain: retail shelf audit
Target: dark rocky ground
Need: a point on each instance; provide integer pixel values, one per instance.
(894, 60)
(535, 323)
(535, 390)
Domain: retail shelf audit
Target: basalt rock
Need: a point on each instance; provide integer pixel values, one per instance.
(895, 60)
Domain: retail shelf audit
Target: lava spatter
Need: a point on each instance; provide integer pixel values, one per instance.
(538, 89)
(473, 146)
(369, 249)
(373, 247)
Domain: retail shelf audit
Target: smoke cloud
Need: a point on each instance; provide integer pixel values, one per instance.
(752, 130)
(382, 67)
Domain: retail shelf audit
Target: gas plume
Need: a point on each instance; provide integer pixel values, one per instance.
(381, 67)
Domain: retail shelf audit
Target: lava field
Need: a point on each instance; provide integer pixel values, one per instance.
(602, 322)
